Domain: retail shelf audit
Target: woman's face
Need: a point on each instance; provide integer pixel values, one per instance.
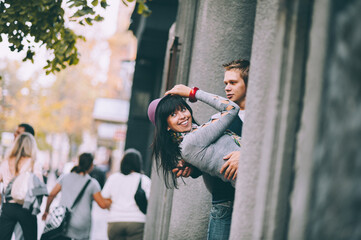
(180, 120)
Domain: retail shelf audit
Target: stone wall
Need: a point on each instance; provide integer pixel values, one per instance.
(335, 204)
(217, 38)
(254, 128)
(299, 169)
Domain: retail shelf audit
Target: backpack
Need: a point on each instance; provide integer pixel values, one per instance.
(20, 187)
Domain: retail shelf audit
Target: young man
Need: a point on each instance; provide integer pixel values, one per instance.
(24, 127)
(235, 80)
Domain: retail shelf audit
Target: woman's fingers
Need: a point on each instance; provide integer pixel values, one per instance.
(178, 172)
(187, 172)
(181, 163)
(180, 90)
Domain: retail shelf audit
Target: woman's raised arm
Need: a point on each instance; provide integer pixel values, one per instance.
(215, 128)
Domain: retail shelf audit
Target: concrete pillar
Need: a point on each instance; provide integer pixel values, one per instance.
(334, 211)
(181, 213)
(255, 120)
(308, 133)
(161, 198)
(274, 107)
(302, 130)
(223, 32)
(211, 32)
(191, 201)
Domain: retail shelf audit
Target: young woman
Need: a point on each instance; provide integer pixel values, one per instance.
(178, 137)
(21, 159)
(70, 185)
(125, 220)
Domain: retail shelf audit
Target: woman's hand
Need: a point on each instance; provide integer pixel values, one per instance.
(101, 201)
(180, 90)
(52, 195)
(183, 169)
(44, 216)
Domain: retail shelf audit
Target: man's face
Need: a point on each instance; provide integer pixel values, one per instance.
(235, 87)
(19, 131)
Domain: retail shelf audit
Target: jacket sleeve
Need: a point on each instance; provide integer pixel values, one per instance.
(34, 196)
(209, 132)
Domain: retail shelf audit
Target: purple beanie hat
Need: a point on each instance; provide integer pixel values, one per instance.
(152, 108)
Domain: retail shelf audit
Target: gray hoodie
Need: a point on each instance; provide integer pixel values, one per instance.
(206, 146)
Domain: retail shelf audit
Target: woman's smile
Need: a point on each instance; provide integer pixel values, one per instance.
(180, 120)
(184, 123)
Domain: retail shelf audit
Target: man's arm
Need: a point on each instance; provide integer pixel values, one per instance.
(230, 168)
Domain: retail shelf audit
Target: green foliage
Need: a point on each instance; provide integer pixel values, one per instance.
(142, 9)
(44, 22)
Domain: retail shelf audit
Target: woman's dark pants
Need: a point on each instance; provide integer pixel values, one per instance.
(13, 213)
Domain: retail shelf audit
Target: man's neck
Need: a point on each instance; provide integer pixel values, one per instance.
(242, 104)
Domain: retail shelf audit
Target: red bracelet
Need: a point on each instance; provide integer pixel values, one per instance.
(192, 94)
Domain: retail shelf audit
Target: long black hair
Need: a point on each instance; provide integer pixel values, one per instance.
(85, 163)
(131, 162)
(165, 149)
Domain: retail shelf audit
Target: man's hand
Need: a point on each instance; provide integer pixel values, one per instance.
(183, 169)
(230, 168)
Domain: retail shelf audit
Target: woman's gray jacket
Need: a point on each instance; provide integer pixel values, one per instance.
(206, 146)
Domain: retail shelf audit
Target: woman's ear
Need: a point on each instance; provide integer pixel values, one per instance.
(168, 128)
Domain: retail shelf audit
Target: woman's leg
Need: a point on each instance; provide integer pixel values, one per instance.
(135, 231)
(7, 221)
(28, 223)
(116, 231)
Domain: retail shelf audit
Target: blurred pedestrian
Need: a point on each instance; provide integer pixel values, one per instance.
(125, 220)
(99, 175)
(23, 127)
(70, 185)
(21, 159)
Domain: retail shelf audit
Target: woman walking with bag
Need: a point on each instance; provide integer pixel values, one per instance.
(71, 185)
(19, 163)
(126, 220)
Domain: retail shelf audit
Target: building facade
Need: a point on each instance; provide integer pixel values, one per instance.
(298, 175)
